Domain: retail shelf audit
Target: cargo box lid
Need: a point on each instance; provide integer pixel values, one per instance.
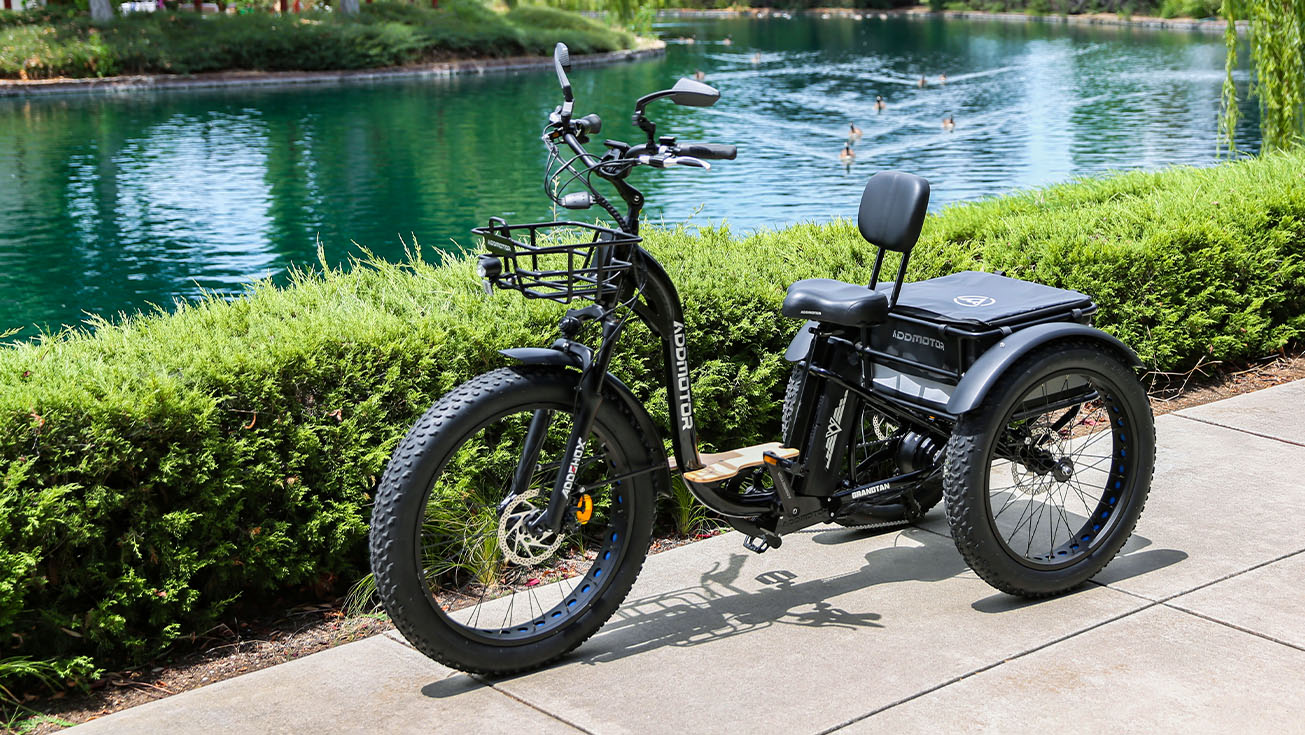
(974, 298)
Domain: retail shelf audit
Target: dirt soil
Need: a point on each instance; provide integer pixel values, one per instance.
(254, 645)
(1212, 381)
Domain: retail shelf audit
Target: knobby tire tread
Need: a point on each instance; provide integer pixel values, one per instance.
(965, 448)
(386, 520)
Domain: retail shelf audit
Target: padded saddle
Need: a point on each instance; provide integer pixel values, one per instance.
(890, 217)
(835, 302)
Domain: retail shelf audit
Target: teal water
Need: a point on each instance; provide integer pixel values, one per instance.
(113, 203)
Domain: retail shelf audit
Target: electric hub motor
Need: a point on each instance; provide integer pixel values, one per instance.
(918, 452)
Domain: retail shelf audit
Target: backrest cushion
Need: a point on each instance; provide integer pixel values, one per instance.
(892, 210)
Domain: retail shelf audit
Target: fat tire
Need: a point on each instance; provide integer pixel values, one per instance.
(400, 503)
(968, 461)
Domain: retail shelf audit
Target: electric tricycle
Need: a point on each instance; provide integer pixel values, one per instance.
(515, 514)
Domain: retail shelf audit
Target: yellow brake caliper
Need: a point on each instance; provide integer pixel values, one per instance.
(584, 509)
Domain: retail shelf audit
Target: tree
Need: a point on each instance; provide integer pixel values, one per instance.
(101, 11)
(348, 7)
(1277, 32)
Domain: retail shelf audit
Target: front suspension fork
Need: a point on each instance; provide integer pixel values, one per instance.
(589, 399)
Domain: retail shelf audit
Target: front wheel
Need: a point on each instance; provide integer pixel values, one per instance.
(1045, 481)
(458, 568)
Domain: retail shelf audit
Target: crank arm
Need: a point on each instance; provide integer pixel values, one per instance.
(800, 511)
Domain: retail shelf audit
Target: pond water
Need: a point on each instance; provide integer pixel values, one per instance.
(113, 203)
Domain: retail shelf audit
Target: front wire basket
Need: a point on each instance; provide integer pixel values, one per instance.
(549, 260)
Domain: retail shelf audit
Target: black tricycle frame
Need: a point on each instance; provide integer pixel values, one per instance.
(838, 362)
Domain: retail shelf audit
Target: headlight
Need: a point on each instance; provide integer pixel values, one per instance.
(489, 267)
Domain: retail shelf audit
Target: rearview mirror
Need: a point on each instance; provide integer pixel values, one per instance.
(562, 64)
(685, 92)
(692, 93)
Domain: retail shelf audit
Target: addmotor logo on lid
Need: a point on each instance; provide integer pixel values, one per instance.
(975, 301)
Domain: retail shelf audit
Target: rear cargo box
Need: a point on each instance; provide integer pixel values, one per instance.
(939, 327)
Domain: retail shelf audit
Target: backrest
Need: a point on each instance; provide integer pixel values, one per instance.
(892, 210)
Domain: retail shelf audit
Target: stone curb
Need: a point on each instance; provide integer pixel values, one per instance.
(1172, 24)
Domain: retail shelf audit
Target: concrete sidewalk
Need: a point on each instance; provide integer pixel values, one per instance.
(1196, 628)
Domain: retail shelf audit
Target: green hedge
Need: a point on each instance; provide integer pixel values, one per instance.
(158, 471)
(40, 44)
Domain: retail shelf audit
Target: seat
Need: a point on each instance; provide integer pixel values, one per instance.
(835, 302)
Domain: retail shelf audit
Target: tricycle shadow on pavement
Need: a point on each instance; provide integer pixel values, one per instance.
(1131, 563)
(724, 604)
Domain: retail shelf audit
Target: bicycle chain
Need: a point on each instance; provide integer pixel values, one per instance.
(881, 524)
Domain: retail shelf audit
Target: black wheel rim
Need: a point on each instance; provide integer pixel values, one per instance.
(1064, 459)
(471, 583)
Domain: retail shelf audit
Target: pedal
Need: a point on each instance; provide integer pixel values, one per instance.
(762, 544)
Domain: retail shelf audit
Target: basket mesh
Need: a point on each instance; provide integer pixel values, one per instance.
(561, 261)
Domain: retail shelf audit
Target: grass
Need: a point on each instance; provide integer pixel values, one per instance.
(46, 44)
(165, 472)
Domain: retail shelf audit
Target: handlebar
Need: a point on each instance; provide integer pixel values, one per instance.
(666, 161)
(708, 151)
(567, 130)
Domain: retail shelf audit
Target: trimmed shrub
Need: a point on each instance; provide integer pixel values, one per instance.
(159, 471)
(1189, 8)
(40, 45)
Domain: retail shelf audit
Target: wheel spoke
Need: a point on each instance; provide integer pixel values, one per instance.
(1061, 464)
(479, 555)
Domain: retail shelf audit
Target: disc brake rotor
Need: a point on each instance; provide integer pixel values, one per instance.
(519, 544)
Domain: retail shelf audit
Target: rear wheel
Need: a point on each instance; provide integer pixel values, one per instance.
(457, 568)
(1047, 478)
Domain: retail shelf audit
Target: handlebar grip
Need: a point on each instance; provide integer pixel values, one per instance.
(709, 151)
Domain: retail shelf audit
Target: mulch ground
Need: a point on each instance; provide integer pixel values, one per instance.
(1209, 382)
(240, 648)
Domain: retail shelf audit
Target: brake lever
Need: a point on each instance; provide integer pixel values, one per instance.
(688, 161)
(664, 161)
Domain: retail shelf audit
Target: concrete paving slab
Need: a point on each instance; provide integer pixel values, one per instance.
(373, 685)
(1222, 501)
(1159, 670)
(716, 639)
(1267, 600)
(1274, 412)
